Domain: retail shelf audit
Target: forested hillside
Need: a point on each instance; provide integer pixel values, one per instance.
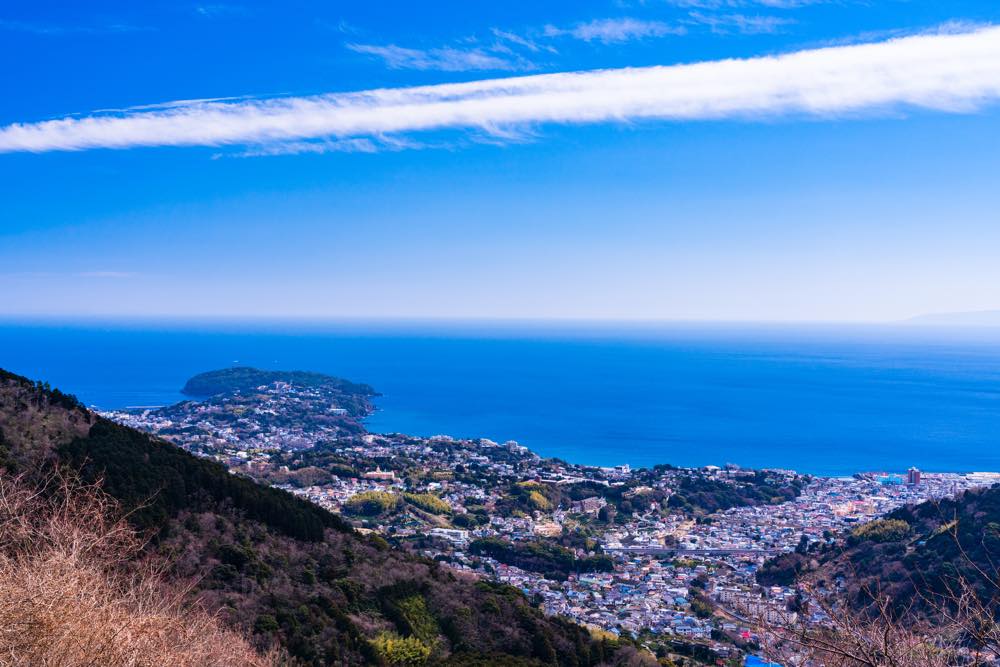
(916, 556)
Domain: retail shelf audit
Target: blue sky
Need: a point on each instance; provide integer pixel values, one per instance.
(789, 188)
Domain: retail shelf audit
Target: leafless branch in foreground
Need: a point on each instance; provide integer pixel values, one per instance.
(959, 628)
(73, 593)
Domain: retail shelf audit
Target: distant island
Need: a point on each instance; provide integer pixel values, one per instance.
(352, 397)
(974, 318)
(246, 378)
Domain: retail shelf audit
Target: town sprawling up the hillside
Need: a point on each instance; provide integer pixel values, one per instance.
(217, 552)
(668, 557)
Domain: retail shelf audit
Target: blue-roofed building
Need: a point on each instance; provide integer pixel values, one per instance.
(754, 661)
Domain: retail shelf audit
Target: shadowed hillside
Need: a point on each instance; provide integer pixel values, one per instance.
(914, 556)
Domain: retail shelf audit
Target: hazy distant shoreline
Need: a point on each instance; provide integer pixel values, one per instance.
(829, 401)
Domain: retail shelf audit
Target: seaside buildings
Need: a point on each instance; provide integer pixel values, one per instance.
(676, 571)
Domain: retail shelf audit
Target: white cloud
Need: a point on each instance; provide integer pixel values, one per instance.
(615, 30)
(503, 36)
(55, 30)
(723, 4)
(113, 275)
(946, 72)
(444, 59)
(741, 23)
(321, 146)
(220, 10)
(359, 145)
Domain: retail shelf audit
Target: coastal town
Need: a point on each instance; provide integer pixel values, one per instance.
(668, 555)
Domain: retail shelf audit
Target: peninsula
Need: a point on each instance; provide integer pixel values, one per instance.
(664, 556)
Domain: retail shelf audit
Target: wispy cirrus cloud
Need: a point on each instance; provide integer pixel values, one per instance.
(517, 51)
(615, 30)
(949, 27)
(55, 30)
(442, 59)
(220, 10)
(505, 39)
(513, 51)
(735, 4)
(30, 275)
(321, 146)
(741, 23)
(360, 145)
(953, 72)
(107, 275)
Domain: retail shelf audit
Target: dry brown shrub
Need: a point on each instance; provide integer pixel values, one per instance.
(875, 638)
(964, 632)
(72, 593)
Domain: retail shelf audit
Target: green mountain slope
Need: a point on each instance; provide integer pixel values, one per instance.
(912, 555)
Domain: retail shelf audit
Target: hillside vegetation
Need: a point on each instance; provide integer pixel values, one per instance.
(919, 586)
(286, 573)
(551, 560)
(914, 556)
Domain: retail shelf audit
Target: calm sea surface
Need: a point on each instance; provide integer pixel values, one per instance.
(824, 400)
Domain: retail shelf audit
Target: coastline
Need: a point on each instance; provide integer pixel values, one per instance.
(819, 400)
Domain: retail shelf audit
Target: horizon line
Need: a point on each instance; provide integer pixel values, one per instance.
(924, 320)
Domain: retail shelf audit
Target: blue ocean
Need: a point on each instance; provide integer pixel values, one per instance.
(822, 400)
